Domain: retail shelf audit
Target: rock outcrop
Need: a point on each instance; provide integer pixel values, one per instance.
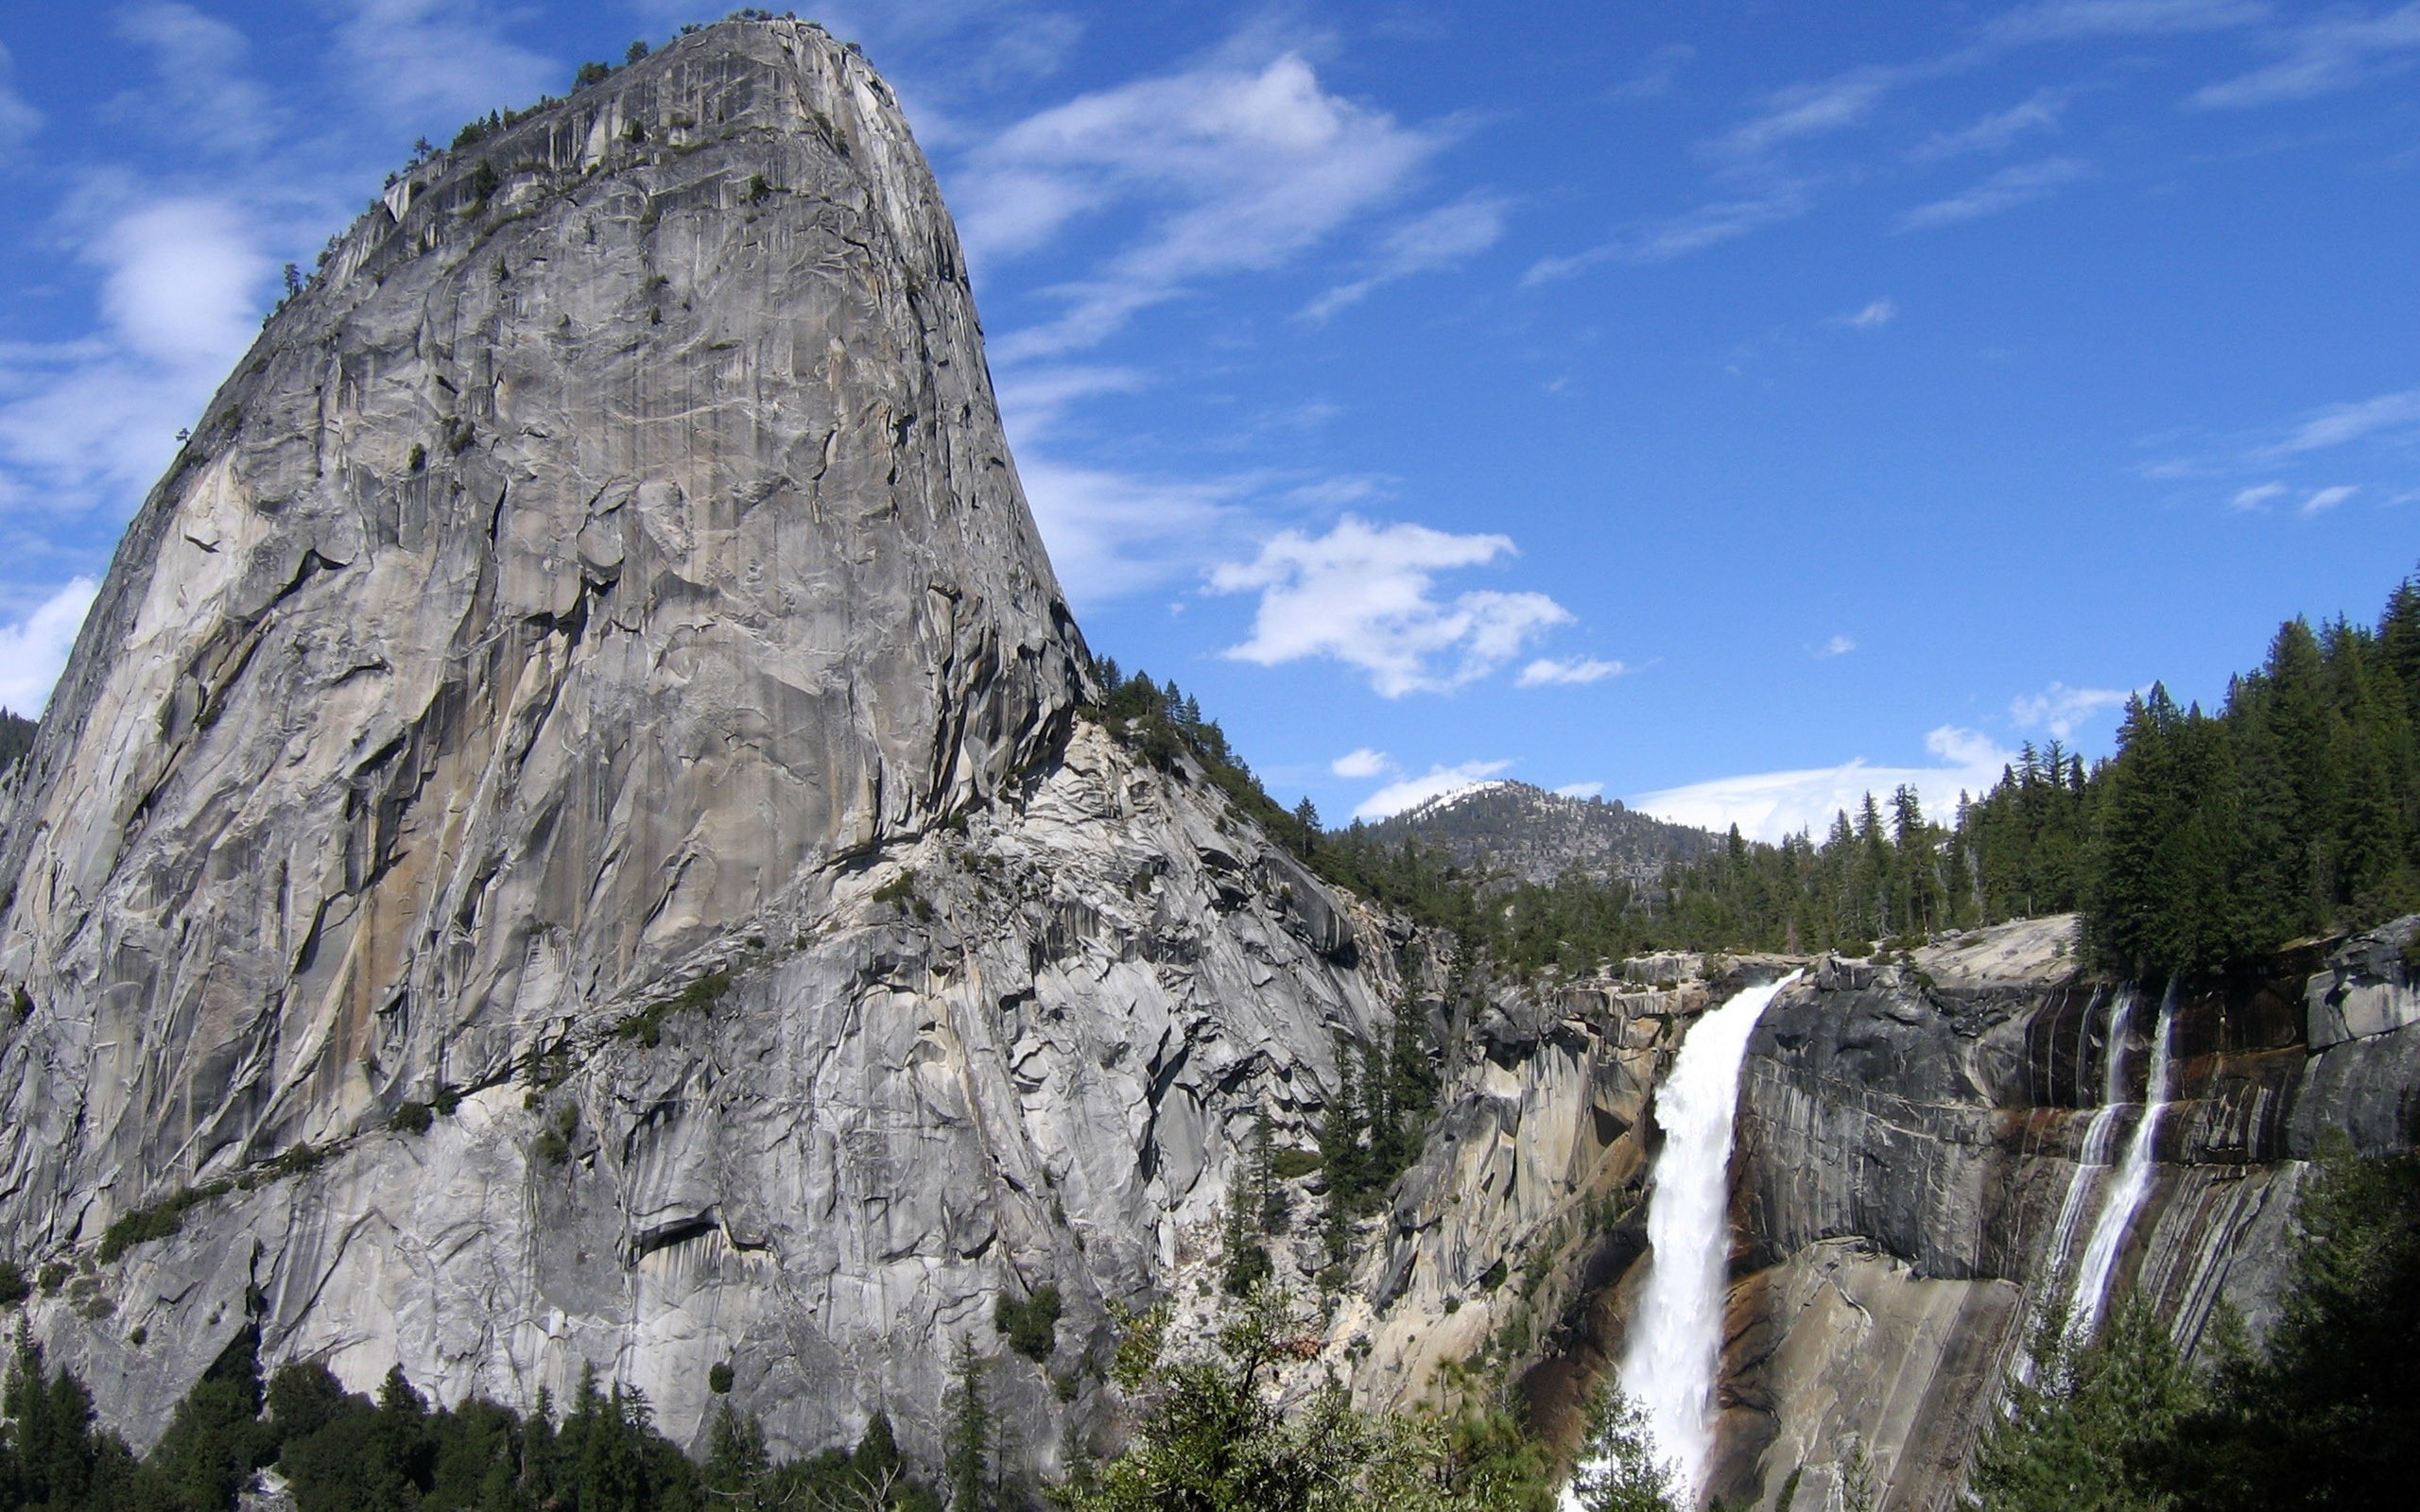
(567, 837)
(1909, 1131)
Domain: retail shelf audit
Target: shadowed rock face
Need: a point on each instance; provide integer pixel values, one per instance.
(619, 527)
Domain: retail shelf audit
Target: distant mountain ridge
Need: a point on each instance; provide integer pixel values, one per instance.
(1536, 836)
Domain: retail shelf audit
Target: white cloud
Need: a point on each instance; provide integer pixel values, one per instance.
(2073, 19)
(1808, 110)
(1545, 672)
(1580, 790)
(1238, 170)
(1436, 782)
(1361, 764)
(1033, 400)
(1692, 231)
(1364, 594)
(1658, 77)
(1836, 645)
(200, 94)
(1770, 805)
(2257, 495)
(1998, 131)
(2323, 500)
(416, 57)
(2337, 52)
(2004, 190)
(1112, 533)
(18, 120)
(2060, 709)
(2339, 425)
(34, 648)
(95, 422)
(1878, 313)
(1439, 239)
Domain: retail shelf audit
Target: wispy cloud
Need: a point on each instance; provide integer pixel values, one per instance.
(410, 57)
(2075, 20)
(93, 422)
(1582, 790)
(2340, 425)
(1442, 238)
(1998, 131)
(2338, 51)
(1548, 672)
(1361, 764)
(1836, 645)
(2061, 709)
(2258, 496)
(1113, 533)
(1034, 402)
(2003, 191)
(199, 88)
(1693, 230)
(1877, 314)
(34, 649)
(1657, 77)
(1235, 169)
(1770, 805)
(1807, 110)
(1434, 783)
(18, 120)
(2322, 499)
(1366, 595)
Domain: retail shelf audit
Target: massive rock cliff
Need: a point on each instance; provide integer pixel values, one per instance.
(566, 837)
(571, 837)
(1910, 1135)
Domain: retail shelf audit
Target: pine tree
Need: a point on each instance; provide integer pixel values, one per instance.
(968, 1431)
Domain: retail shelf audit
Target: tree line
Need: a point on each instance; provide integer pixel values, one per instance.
(2208, 840)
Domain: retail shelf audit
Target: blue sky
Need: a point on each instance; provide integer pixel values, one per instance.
(1741, 404)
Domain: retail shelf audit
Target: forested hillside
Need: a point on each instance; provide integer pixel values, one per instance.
(2208, 840)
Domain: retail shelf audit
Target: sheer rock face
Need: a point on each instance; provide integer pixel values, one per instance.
(607, 574)
(618, 528)
(1908, 1136)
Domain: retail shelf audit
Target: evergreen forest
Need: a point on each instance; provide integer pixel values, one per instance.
(2206, 841)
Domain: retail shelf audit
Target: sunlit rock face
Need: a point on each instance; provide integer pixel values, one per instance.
(608, 579)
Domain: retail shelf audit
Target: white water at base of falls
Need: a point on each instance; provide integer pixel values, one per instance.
(1676, 1340)
(2125, 1198)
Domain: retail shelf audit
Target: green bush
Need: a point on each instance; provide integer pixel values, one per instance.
(647, 1024)
(412, 1118)
(718, 1378)
(159, 1220)
(1291, 1164)
(13, 1286)
(1031, 1326)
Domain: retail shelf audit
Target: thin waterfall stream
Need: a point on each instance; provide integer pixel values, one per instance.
(1675, 1344)
(2100, 1134)
(2133, 1185)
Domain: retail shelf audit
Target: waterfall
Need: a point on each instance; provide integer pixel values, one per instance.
(2133, 1185)
(2099, 1134)
(1676, 1340)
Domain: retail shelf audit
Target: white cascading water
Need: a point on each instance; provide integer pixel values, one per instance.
(2099, 1135)
(2134, 1184)
(1676, 1341)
